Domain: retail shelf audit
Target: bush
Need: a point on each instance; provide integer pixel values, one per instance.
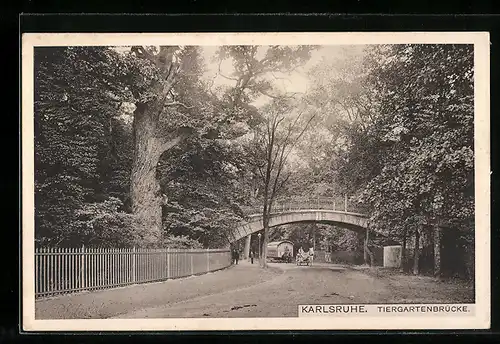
(102, 224)
(180, 242)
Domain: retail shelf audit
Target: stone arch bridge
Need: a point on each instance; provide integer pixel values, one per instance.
(324, 210)
(353, 221)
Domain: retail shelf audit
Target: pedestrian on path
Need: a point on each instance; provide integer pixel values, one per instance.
(251, 257)
(300, 252)
(236, 256)
(311, 255)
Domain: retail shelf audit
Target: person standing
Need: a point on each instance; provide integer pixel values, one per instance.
(300, 252)
(311, 255)
(251, 257)
(237, 256)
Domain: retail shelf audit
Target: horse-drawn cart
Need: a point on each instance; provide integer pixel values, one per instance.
(304, 259)
(280, 251)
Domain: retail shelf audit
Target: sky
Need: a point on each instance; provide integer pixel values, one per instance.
(295, 82)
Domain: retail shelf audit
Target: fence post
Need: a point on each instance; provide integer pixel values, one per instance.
(191, 262)
(345, 203)
(82, 267)
(133, 264)
(185, 262)
(208, 260)
(36, 272)
(168, 262)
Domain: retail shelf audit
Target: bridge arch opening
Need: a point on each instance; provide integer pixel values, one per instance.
(355, 222)
(352, 221)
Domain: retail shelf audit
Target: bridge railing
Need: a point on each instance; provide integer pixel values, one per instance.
(300, 203)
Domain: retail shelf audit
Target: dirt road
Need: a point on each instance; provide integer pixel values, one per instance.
(319, 284)
(109, 303)
(245, 290)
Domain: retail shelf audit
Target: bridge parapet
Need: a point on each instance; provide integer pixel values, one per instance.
(302, 203)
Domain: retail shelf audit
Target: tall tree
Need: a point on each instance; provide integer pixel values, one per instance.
(342, 94)
(271, 148)
(154, 75)
(424, 134)
(252, 77)
(154, 87)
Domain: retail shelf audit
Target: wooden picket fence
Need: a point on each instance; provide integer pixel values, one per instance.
(69, 270)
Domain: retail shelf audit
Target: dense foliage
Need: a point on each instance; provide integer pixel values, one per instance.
(84, 151)
(397, 137)
(74, 119)
(426, 143)
(122, 137)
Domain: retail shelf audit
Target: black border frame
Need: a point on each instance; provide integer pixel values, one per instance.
(225, 22)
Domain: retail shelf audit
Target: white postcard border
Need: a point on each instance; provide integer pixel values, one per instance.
(481, 318)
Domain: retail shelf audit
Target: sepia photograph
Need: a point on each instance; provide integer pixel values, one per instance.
(255, 181)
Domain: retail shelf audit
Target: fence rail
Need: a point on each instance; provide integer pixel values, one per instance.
(69, 270)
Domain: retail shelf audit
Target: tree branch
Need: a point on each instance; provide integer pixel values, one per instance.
(281, 164)
(302, 132)
(259, 168)
(180, 104)
(290, 95)
(291, 126)
(279, 77)
(211, 86)
(225, 77)
(169, 143)
(142, 52)
(274, 129)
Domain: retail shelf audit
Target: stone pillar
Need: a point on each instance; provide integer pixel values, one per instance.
(437, 250)
(246, 253)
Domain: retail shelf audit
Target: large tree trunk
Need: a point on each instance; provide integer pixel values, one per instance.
(314, 238)
(416, 252)
(149, 144)
(368, 254)
(437, 250)
(264, 241)
(246, 253)
(365, 248)
(144, 188)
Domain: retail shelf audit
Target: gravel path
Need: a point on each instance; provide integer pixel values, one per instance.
(112, 302)
(247, 291)
(320, 284)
